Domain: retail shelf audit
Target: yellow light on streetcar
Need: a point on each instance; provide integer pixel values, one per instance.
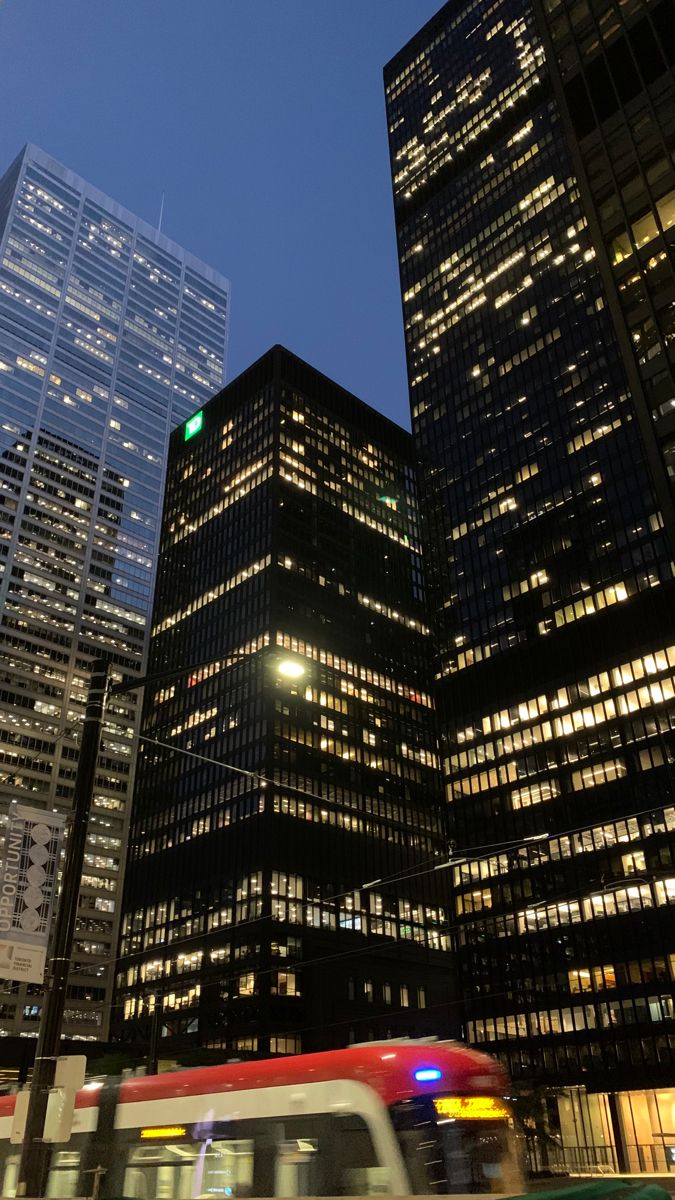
(471, 1108)
(163, 1132)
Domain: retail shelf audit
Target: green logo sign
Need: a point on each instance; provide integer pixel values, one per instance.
(193, 425)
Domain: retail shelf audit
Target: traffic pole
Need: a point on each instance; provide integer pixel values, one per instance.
(35, 1153)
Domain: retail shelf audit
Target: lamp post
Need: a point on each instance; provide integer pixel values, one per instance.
(35, 1153)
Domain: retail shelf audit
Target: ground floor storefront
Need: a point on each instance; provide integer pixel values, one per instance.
(630, 1132)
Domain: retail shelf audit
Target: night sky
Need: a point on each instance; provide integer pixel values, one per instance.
(263, 123)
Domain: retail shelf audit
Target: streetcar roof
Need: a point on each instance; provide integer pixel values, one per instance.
(396, 1070)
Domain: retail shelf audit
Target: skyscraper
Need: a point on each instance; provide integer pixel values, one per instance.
(282, 885)
(552, 586)
(109, 336)
(612, 69)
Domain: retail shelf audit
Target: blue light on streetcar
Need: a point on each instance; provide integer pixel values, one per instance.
(427, 1074)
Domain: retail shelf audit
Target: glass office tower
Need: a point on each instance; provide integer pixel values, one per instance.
(282, 890)
(612, 65)
(551, 575)
(109, 336)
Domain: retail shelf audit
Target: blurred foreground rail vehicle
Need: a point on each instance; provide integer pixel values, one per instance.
(389, 1118)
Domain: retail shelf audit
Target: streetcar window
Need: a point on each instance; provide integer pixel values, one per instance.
(314, 1155)
(357, 1169)
(228, 1169)
(296, 1168)
(480, 1156)
(455, 1156)
(63, 1174)
(323, 1154)
(11, 1175)
(62, 1180)
(185, 1171)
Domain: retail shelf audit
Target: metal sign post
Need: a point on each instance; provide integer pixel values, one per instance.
(36, 1153)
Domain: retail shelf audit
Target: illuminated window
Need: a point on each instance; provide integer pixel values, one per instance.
(284, 983)
(246, 984)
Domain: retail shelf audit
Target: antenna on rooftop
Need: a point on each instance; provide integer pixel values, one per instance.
(161, 214)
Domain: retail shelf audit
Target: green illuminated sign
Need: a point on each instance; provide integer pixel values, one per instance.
(193, 425)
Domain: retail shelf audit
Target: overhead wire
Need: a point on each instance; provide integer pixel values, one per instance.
(234, 927)
(458, 858)
(488, 848)
(391, 943)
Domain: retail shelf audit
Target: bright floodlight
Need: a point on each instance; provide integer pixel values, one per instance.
(290, 668)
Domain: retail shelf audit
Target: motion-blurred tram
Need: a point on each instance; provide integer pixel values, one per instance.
(388, 1118)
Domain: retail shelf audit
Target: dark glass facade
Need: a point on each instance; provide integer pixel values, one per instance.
(281, 892)
(612, 65)
(550, 574)
(110, 334)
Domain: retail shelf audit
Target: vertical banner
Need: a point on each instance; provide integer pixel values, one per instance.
(27, 881)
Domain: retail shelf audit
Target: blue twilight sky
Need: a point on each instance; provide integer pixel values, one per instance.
(263, 122)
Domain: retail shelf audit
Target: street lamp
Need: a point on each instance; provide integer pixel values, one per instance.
(290, 668)
(35, 1153)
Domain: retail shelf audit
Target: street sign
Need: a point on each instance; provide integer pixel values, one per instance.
(59, 1117)
(19, 1119)
(70, 1071)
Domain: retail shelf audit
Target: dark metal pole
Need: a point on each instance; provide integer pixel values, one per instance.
(35, 1153)
(152, 1067)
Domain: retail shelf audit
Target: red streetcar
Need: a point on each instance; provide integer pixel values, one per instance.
(387, 1118)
